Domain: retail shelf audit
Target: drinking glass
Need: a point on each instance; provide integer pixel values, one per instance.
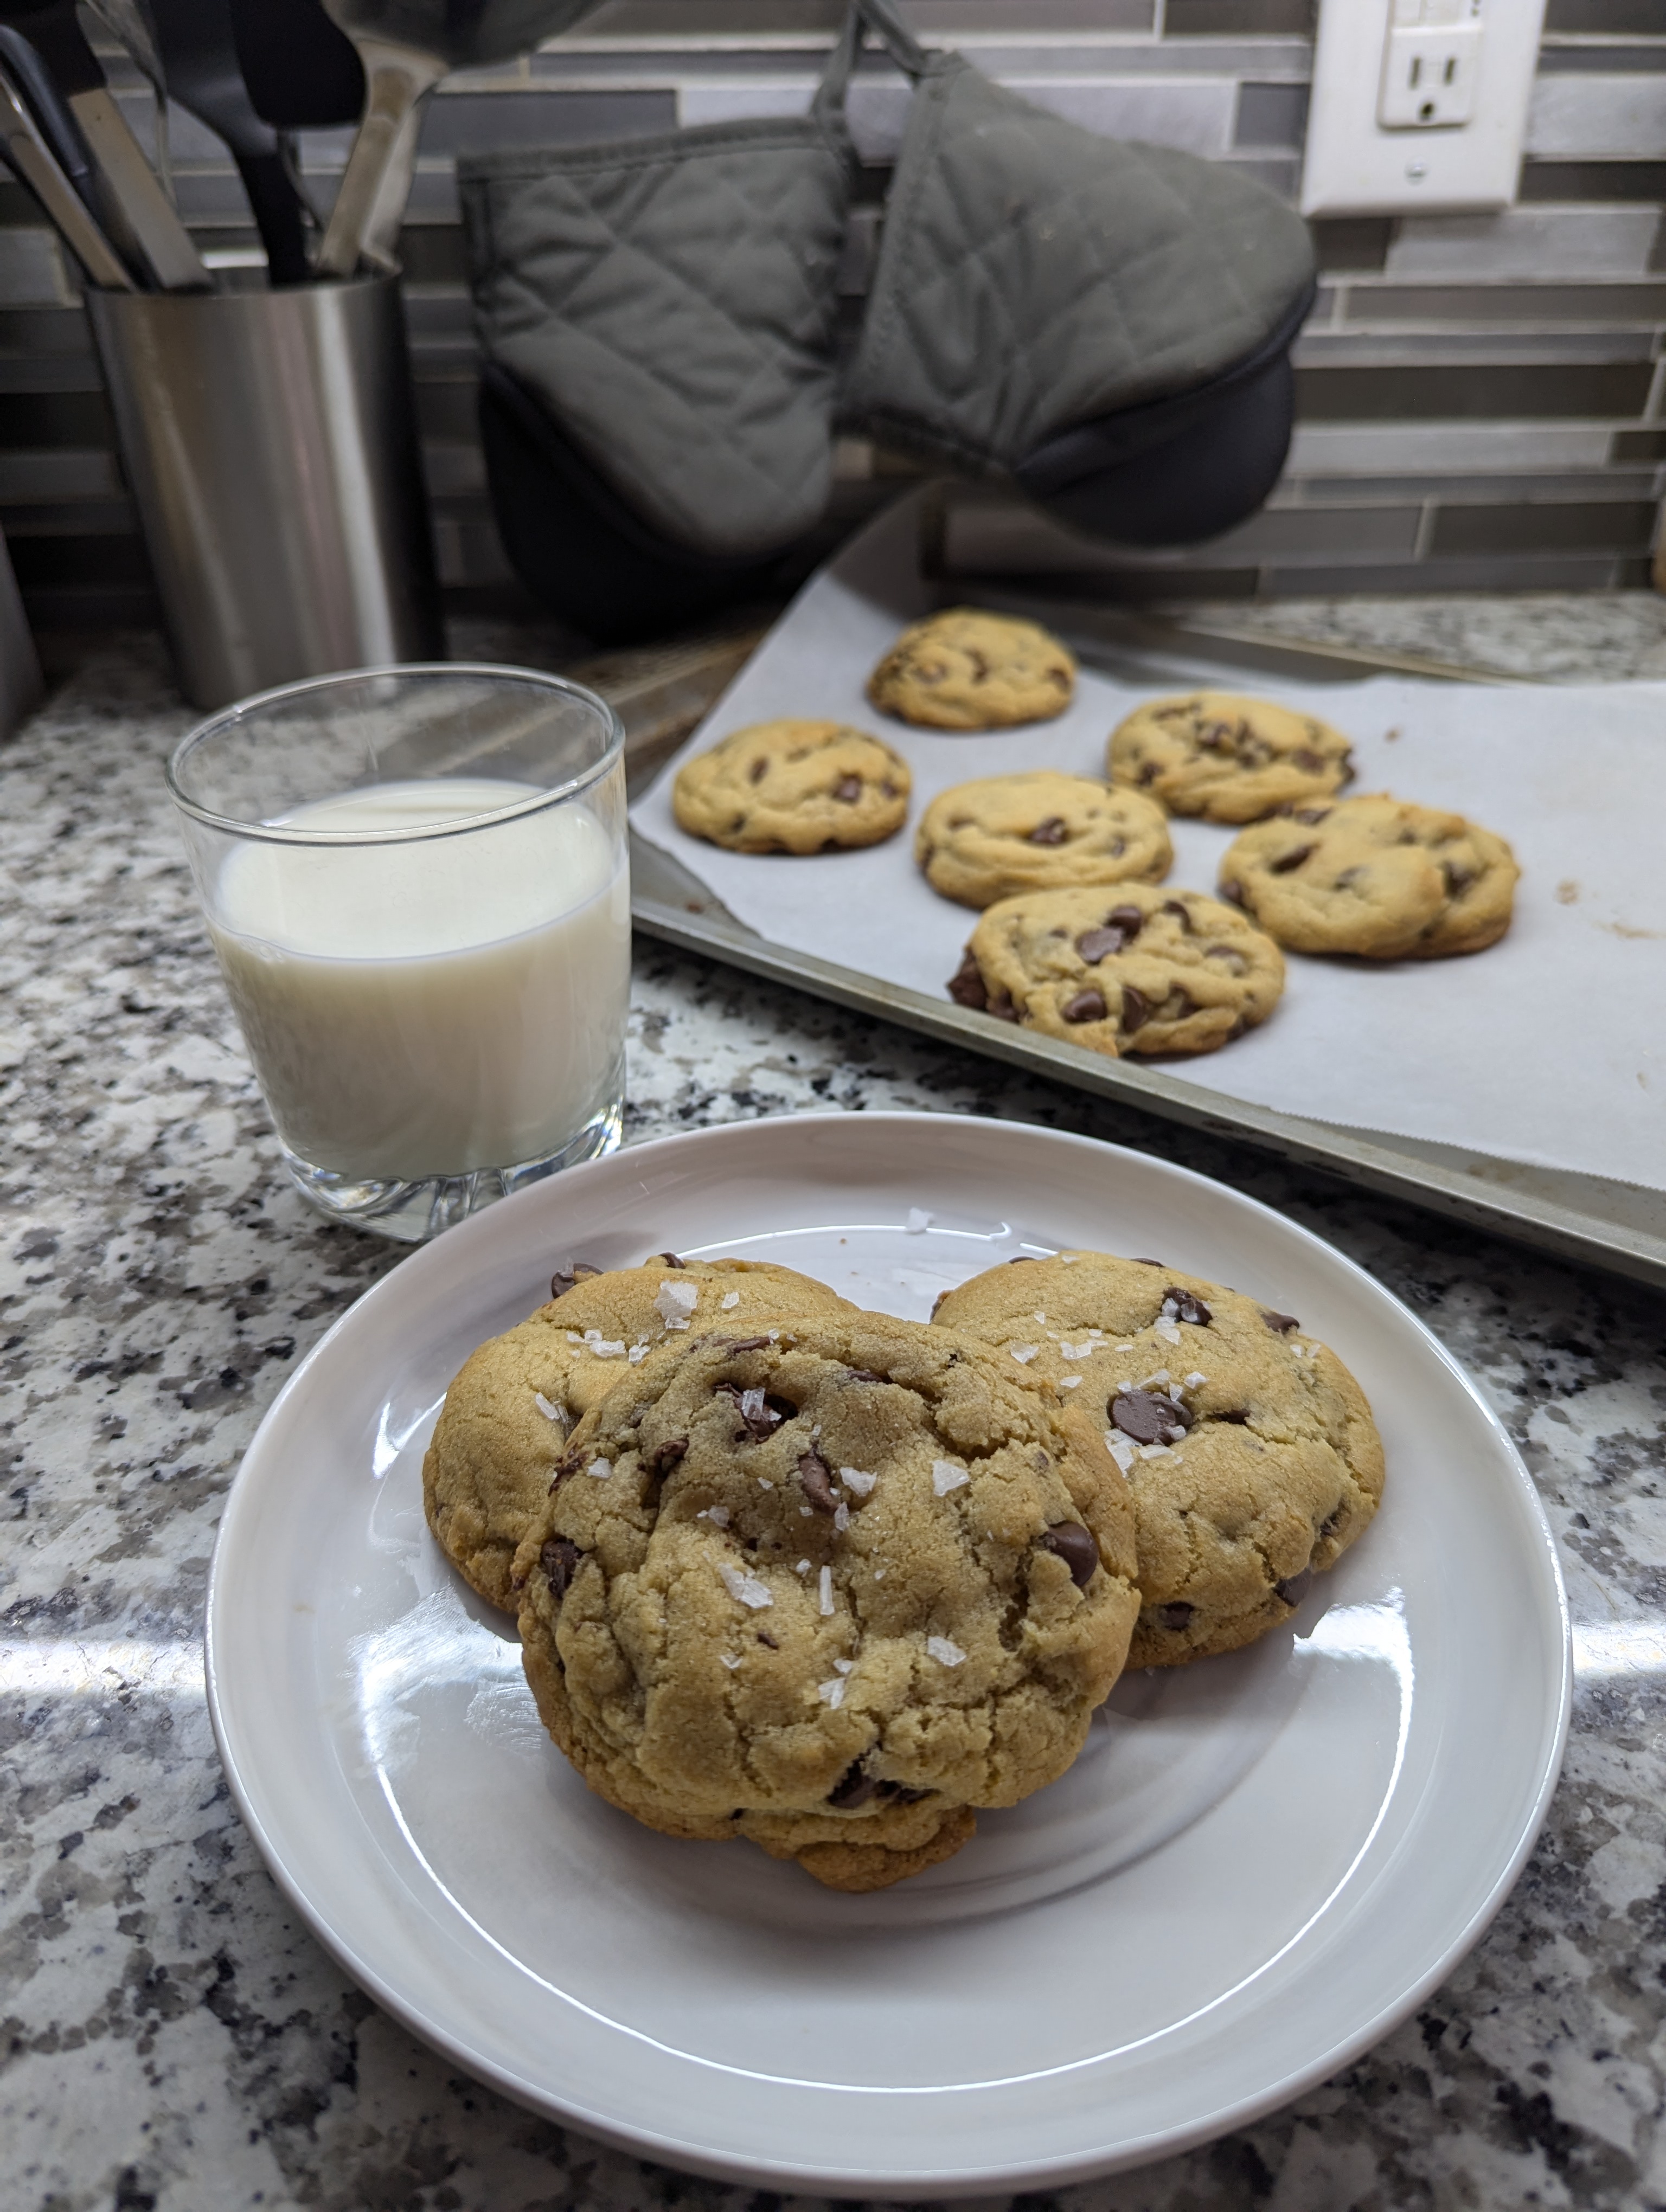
(417, 883)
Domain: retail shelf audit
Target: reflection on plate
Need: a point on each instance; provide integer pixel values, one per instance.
(1258, 1864)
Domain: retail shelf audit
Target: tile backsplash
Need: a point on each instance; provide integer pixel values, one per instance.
(1480, 397)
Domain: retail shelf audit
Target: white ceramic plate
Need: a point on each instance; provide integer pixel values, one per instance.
(1259, 1865)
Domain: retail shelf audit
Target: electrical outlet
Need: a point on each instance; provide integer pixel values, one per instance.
(1418, 104)
(1429, 78)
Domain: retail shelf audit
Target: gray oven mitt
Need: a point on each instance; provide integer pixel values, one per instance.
(1034, 277)
(671, 302)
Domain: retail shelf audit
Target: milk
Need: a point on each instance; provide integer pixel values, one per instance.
(427, 1007)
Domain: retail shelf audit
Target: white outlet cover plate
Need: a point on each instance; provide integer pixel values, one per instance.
(1356, 166)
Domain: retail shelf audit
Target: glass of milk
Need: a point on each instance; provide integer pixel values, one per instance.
(417, 882)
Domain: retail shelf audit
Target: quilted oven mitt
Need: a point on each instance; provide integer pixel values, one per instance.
(1053, 305)
(671, 301)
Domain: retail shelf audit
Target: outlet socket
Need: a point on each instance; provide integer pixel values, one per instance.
(1418, 104)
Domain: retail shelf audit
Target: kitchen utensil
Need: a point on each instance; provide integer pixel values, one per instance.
(52, 26)
(1282, 1850)
(199, 64)
(24, 147)
(270, 440)
(46, 103)
(406, 47)
(302, 73)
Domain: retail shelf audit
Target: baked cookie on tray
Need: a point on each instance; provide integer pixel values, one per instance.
(1227, 758)
(1132, 969)
(966, 669)
(1039, 830)
(1251, 1450)
(1375, 875)
(829, 1592)
(508, 1415)
(792, 786)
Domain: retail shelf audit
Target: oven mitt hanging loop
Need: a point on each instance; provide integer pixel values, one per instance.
(671, 303)
(1106, 321)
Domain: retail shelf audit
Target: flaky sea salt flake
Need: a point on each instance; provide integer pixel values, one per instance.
(945, 1653)
(675, 1301)
(825, 1591)
(831, 1694)
(857, 1484)
(1122, 1449)
(946, 1476)
(1167, 1330)
(840, 1518)
(1070, 1382)
(728, 1659)
(1195, 1381)
(731, 1300)
(1024, 1353)
(744, 1587)
(600, 1468)
(550, 1412)
(918, 1221)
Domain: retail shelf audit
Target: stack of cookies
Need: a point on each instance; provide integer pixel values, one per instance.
(829, 1581)
(1073, 942)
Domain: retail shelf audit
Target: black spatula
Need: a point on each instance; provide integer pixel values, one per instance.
(199, 62)
(302, 73)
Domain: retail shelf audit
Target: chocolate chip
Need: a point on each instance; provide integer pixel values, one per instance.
(1175, 907)
(1086, 1006)
(1175, 1616)
(566, 1278)
(1001, 1005)
(1148, 1263)
(816, 1481)
(569, 1463)
(853, 1787)
(1280, 1324)
(759, 769)
(1119, 929)
(663, 1457)
(667, 1260)
(764, 1637)
(748, 1344)
(966, 985)
(1051, 832)
(1149, 1418)
(1459, 878)
(1149, 772)
(1238, 1414)
(1292, 859)
(1018, 1260)
(1346, 765)
(889, 789)
(1074, 1545)
(1232, 889)
(1309, 763)
(848, 788)
(559, 1560)
(1330, 1524)
(1310, 815)
(1294, 1588)
(762, 1415)
(898, 1793)
(1181, 1305)
(1136, 1009)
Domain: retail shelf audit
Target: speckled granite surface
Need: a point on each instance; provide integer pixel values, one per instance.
(174, 2041)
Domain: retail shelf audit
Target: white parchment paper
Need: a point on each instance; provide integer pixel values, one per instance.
(1549, 1049)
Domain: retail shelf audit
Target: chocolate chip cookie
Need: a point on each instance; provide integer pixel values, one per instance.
(1134, 970)
(1039, 830)
(1251, 1450)
(1226, 758)
(966, 669)
(829, 1592)
(1376, 876)
(508, 1416)
(794, 787)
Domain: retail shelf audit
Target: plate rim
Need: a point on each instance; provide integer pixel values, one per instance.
(1066, 2169)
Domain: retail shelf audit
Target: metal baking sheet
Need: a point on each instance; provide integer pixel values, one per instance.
(1615, 1226)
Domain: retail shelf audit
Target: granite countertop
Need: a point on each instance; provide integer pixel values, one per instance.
(175, 2040)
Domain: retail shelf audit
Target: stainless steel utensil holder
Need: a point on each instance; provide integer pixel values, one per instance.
(269, 442)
